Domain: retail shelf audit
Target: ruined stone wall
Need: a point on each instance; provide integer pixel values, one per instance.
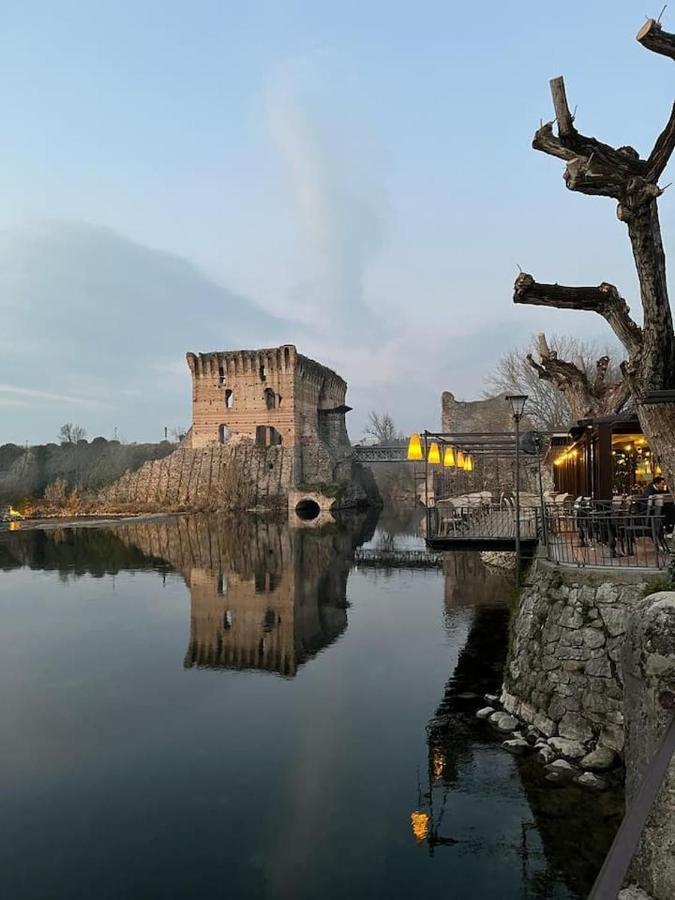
(563, 672)
(236, 475)
(245, 390)
(252, 376)
(492, 472)
(490, 414)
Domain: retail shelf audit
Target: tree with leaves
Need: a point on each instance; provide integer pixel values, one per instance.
(71, 434)
(595, 168)
(381, 428)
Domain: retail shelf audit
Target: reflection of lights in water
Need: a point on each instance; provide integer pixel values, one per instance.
(14, 526)
(420, 825)
(438, 763)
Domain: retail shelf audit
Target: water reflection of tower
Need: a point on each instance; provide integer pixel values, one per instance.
(274, 605)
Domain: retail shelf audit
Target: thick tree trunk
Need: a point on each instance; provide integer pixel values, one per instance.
(658, 423)
(656, 368)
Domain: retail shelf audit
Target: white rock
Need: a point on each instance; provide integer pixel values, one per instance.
(599, 760)
(589, 780)
(491, 698)
(546, 754)
(568, 748)
(517, 746)
(485, 712)
(561, 766)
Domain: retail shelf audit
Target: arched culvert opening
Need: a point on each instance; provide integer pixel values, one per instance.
(307, 509)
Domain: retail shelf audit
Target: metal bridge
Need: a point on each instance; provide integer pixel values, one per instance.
(394, 451)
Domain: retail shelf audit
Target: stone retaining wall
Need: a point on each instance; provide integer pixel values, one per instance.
(236, 475)
(563, 671)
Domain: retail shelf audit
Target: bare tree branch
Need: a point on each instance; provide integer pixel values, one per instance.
(560, 391)
(654, 38)
(663, 149)
(603, 299)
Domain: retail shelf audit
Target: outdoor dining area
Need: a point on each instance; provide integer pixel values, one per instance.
(602, 506)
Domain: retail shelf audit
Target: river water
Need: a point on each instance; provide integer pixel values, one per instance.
(204, 707)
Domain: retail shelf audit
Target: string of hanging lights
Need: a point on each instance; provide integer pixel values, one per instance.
(449, 459)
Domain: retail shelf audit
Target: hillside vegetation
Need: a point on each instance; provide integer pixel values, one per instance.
(26, 473)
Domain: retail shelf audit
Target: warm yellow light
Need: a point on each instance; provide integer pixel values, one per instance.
(449, 458)
(460, 459)
(658, 470)
(420, 825)
(628, 448)
(415, 448)
(468, 463)
(438, 763)
(434, 455)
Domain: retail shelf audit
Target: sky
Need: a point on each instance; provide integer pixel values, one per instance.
(354, 178)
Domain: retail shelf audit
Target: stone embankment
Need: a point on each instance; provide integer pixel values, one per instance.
(563, 670)
(589, 685)
(237, 475)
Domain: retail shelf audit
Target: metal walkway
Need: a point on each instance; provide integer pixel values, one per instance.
(480, 526)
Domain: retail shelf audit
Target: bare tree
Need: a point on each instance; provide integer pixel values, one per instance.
(71, 434)
(381, 427)
(559, 391)
(597, 169)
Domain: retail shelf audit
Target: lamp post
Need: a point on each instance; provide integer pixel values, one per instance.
(517, 402)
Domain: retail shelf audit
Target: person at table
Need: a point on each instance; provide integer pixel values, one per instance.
(658, 487)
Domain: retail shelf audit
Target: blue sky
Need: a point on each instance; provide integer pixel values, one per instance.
(354, 177)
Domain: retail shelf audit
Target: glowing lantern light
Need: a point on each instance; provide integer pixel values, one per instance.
(468, 463)
(460, 459)
(415, 448)
(449, 458)
(434, 456)
(420, 825)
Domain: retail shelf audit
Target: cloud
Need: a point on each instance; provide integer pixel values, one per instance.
(23, 395)
(97, 322)
(338, 203)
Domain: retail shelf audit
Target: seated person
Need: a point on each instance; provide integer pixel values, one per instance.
(659, 487)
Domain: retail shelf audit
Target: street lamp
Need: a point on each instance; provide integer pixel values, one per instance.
(517, 402)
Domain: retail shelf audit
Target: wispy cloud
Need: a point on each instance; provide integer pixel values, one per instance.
(16, 395)
(340, 206)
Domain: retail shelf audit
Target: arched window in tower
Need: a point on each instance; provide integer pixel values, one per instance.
(270, 398)
(229, 398)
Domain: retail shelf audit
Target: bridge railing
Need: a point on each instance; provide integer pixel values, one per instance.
(487, 520)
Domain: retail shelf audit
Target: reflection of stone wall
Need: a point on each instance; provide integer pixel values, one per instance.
(489, 587)
(263, 596)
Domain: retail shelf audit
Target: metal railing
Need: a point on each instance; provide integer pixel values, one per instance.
(481, 521)
(597, 533)
(612, 875)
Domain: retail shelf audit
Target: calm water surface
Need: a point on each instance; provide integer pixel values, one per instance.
(208, 708)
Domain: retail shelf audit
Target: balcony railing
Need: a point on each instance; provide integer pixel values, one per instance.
(618, 533)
